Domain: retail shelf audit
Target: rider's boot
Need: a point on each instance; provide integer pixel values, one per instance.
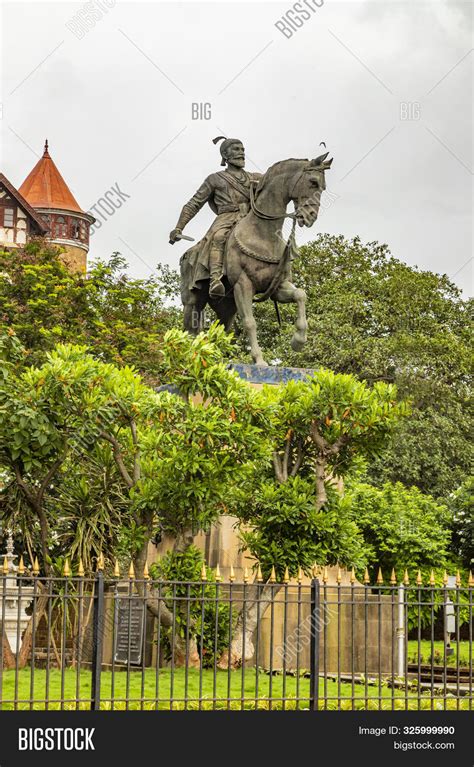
(216, 259)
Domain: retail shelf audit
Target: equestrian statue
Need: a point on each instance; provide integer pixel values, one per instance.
(244, 256)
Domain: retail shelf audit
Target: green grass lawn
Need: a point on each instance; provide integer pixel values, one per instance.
(271, 691)
(425, 652)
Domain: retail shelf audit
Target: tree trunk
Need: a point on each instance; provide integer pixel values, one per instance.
(44, 528)
(184, 540)
(8, 657)
(180, 656)
(242, 647)
(320, 471)
(159, 609)
(39, 609)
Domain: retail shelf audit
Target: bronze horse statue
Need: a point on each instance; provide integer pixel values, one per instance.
(257, 258)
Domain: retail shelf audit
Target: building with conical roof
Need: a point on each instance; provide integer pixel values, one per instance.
(44, 205)
(18, 220)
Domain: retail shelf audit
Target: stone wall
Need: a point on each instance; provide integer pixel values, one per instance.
(74, 258)
(355, 631)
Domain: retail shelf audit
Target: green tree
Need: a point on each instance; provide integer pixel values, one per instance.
(209, 435)
(321, 427)
(402, 528)
(120, 319)
(405, 529)
(199, 616)
(173, 460)
(461, 506)
(285, 529)
(375, 317)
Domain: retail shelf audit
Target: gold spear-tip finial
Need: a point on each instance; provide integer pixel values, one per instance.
(286, 577)
(273, 575)
(353, 575)
(146, 574)
(231, 574)
(117, 569)
(80, 569)
(246, 575)
(339, 575)
(36, 567)
(300, 575)
(419, 579)
(131, 571)
(406, 579)
(325, 574)
(5, 565)
(393, 577)
(66, 568)
(259, 574)
(432, 578)
(218, 574)
(445, 578)
(458, 579)
(366, 576)
(380, 576)
(471, 579)
(100, 562)
(203, 572)
(21, 566)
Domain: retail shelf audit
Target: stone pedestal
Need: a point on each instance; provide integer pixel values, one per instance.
(16, 624)
(16, 600)
(257, 375)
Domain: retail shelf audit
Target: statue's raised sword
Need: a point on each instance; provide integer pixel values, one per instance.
(184, 237)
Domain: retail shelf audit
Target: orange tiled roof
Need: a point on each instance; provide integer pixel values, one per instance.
(46, 188)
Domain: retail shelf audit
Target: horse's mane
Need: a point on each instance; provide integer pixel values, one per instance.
(274, 168)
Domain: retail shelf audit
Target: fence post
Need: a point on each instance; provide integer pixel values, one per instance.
(97, 640)
(314, 647)
(401, 632)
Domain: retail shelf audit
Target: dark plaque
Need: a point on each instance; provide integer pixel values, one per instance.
(129, 629)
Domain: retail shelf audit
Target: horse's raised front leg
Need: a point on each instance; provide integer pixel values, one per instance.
(287, 293)
(243, 296)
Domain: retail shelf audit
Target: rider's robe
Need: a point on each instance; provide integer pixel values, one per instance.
(230, 199)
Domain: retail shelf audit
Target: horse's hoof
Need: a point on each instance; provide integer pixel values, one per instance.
(296, 344)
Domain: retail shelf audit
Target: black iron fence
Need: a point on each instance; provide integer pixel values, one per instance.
(106, 643)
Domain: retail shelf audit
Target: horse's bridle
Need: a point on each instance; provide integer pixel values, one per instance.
(267, 216)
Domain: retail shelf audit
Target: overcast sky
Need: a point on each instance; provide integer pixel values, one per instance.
(116, 101)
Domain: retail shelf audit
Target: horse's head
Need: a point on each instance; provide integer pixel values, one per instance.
(308, 186)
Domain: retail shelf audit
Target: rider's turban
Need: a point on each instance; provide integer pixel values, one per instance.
(226, 143)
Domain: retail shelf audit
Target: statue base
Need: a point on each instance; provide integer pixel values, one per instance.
(273, 374)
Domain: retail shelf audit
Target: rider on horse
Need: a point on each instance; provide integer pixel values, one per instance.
(228, 195)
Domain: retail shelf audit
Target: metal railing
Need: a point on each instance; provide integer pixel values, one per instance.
(107, 643)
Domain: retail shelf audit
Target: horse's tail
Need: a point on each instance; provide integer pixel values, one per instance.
(277, 311)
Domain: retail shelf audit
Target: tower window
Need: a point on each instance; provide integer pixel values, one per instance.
(76, 230)
(8, 216)
(60, 227)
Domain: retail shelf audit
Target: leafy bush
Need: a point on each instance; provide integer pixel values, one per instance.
(402, 527)
(405, 529)
(461, 505)
(287, 530)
